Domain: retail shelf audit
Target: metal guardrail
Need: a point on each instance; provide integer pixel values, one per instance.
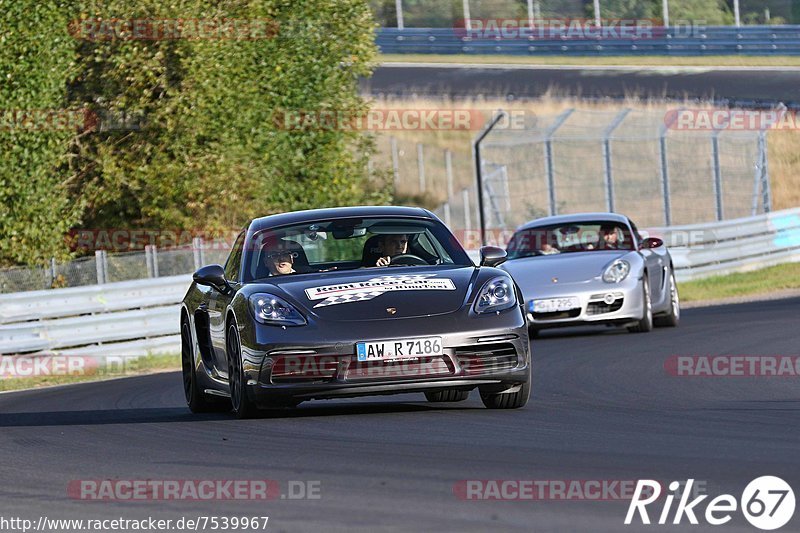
(702, 250)
(125, 318)
(141, 317)
(711, 40)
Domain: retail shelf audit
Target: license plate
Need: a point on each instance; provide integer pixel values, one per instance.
(554, 305)
(399, 349)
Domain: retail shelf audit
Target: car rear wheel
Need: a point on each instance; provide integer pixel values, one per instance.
(451, 395)
(509, 400)
(195, 398)
(673, 316)
(645, 324)
(243, 406)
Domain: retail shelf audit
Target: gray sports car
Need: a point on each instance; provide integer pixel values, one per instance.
(592, 268)
(349, 302)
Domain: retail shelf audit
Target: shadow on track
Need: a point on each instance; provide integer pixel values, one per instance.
(182, 414)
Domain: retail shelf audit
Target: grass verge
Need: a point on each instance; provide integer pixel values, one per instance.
(758, 282)
(644, 61)
(127, 367)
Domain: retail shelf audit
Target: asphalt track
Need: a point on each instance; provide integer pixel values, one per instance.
(741, 86)
(603, 408)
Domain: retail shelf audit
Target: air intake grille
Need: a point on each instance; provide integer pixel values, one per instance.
(487, 358)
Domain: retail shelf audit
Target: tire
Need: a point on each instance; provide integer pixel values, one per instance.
(673, 316)
(243, 407)
(645, 324)
(196, 399)
(513, 400)
(451, 395)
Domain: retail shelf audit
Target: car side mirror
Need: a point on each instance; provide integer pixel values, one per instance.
(491, 256)
(212, 276)
(652, 242)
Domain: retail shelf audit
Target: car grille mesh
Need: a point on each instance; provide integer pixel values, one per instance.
(486, 358)
(411, 368)
(598, 308)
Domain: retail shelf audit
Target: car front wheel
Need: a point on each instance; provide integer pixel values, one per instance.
(509, 400)
(645, 324)
(195, 398)
(243, 406)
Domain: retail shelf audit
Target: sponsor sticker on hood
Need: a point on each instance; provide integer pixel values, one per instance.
(367, 290)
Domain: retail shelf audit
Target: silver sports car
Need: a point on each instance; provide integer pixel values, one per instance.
(592, 268)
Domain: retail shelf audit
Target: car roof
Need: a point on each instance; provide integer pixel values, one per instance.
(574, 219)
(310, 215)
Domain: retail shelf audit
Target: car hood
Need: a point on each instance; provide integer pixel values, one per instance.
(567, 268)
(381, 294)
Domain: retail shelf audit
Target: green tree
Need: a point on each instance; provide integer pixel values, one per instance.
(35, 61)
(208, 152)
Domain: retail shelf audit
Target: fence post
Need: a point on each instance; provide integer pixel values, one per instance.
(717, 173)
(665, 189)
(421, 166)
(446, 209)
(101, 266)
(395, 161)
(465, 199)
(52, 271)
(151, 257)
(197, 252)
(548, 160)
(609, 177)
(448, 164)
(766, 189)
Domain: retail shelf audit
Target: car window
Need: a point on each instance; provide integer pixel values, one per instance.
(234, 259)
(346, 244)
(570, 238)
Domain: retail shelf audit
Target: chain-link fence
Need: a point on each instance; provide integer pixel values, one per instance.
(106, 267)
(636, 162)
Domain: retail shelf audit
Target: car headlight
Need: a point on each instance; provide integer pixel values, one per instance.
(497, 294)
(616, 271)
(275, 311)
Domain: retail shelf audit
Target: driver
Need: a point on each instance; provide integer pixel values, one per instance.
(390, 246)
(609, 238)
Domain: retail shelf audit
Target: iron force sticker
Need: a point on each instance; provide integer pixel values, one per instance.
(367, 290)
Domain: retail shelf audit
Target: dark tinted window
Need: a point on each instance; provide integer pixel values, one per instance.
(232, 266)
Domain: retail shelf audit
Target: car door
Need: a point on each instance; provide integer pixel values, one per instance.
(654, 262)
(218, 303)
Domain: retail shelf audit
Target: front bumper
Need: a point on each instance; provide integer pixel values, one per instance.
(598, 303)
(495, 357)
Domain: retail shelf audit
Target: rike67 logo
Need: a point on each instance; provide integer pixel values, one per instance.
(767, 503)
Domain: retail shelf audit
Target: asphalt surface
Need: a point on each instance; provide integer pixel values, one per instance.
(603, 408)
(732, 85)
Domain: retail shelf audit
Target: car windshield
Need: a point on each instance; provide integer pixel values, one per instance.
(570, 238)
(348, 244)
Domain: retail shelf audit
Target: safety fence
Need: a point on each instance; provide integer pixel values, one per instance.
(142, 317)
(675, 40)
